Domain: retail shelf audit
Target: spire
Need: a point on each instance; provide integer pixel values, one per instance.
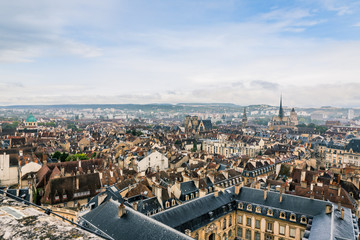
(244, 118)
(281, 110)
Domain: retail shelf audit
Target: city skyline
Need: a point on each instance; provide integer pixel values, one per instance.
(241, 52)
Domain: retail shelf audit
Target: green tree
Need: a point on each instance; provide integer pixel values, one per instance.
(194, 149)
(56, 155)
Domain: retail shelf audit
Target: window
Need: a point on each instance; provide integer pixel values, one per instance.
(269, 227)
(224, 223)
(187, 197)
(230, 221)
(248, 234)
(303, 219)
(269, 237)
(257, 223)
(240, 219)
(269, 212)
(282, 230)
(240, 232)
(282, 215)
(292, 217)
(167, 204)
(292, 232)
(258, 209)
(173, 202)
(229, 234)
(248, 222)
(249, 207)
(257, 236)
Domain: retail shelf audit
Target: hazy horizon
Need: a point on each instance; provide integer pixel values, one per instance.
(139, 52)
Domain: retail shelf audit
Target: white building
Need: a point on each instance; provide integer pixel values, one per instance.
(156, 161)
(8, 174)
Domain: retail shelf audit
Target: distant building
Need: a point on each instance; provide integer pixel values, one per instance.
(154, 162)
(8, 172)
(194, 125)
(30, 121)
(244, 119)
(283, 122)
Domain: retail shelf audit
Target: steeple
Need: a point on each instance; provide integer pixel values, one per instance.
(281, 110)
(244, 118)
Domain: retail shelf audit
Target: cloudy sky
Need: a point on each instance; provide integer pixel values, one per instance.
(140, 51)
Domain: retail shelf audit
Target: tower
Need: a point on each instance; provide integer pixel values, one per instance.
(281, 110)
(293, 117)
(244, 119)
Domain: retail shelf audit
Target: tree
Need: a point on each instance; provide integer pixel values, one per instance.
(194, 149)
(63, 157)
(56, 155)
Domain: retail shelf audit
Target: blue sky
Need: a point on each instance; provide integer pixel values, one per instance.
(243, 52)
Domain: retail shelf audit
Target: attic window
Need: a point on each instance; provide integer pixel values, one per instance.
(258, 209)
(167, 204)
(240, 205)
(292, 217)
(269, 212)
(303, 219)
(173, 202)
(249, 207)
(282, 215)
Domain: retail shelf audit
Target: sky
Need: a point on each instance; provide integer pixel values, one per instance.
(180, 51)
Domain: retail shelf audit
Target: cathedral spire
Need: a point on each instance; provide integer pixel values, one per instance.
(244, 118)
(281, 110)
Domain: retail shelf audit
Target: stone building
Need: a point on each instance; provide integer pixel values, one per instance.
(194, 125)
(283, 122)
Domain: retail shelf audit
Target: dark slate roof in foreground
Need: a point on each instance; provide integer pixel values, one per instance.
(179, 215)
(133, 225)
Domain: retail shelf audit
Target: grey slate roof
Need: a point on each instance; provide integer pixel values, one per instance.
(180, 215)
(133, 225)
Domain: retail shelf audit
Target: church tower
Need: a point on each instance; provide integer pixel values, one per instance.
(244, 119)
(293, 117)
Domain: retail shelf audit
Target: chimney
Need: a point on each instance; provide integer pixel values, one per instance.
(44, 158)
(339, 191)
(265, 194)
(77, 183)
(342, 213)
(197, 182)
(328, 209)
(121, 210)
(303, 174)
(281, 194)
(237, 189)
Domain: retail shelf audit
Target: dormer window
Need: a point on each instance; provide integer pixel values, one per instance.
(303, 219)
(293, 217)
(269, 212)
(258, 209)
(187, 197)
(282, 215)
(173, 202)
(240, 205)
(167, 204)
(249, 207)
